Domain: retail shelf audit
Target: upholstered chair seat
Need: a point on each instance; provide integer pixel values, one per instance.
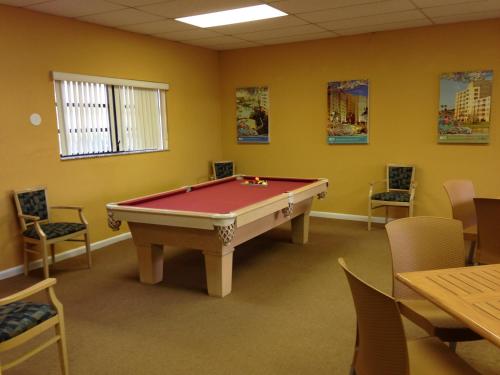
(54, 230)
(20, 316)
(392, 196)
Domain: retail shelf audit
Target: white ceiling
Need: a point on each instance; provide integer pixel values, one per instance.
(307, 19)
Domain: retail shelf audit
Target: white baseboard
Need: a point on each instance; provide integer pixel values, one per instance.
(17, 270)
(334, 215)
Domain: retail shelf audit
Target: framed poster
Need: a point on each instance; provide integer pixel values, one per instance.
(348, 112)
(464, 107)
(252, 114)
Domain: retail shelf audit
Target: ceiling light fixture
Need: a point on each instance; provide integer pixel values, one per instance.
(228, 17)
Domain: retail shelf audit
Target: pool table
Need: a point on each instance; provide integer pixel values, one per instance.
(214, 217)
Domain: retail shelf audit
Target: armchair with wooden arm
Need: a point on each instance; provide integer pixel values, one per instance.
(399, 190)
(21, 321)
(39, 233)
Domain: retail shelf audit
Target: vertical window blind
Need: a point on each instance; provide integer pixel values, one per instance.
(99, 115)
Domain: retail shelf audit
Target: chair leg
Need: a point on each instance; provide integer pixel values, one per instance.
(87, 247)
(472, 250)
(53, 254)
(26, 261)
(45, 259)
(61, 346)
(369, 215)
(410, 210)
(453, 346)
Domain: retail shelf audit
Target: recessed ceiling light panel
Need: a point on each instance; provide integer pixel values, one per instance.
(228, 17)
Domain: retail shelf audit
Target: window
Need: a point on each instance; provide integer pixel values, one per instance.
(101, 116)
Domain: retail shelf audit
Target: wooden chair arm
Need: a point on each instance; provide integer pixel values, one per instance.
(373, 183)
(38, 287)
(29, 217)
(413, 186)
(67, 208)
(83, 220)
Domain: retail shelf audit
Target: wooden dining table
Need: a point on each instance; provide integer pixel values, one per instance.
(470, 294)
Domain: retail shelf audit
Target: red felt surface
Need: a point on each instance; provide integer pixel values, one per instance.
(220, 198)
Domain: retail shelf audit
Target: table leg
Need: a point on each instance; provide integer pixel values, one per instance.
(150, 263)
(219, 271)
(300, 228)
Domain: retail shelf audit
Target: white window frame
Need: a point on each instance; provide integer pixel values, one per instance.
(116, 128)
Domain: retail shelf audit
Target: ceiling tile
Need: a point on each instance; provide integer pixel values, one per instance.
(449, 10)
(387, 26)
(74, 8)
(21, 3)
(374, 20)
(122, 17)
(247, 27)
(299, 38)
(157, 27)
(301, 6)
(467, 17)
(195, 33)
(182, 8)
(433, 3)
(358, 11)
(284, 32)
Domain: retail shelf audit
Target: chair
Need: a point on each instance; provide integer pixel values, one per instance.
(382, 347)
(461, 195)
(425, 243)
(39, 233)
(21, 321)
(399, 190)
(488, 230)
(222, 169)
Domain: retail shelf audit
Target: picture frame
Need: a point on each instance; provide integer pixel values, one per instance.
(465, 107)
(348, 112)
(252, 114)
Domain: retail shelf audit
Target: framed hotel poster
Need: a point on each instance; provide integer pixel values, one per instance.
(252, 114)
(348, 112)
(464, 107)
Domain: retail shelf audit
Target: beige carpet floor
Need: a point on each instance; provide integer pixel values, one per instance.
(290, 311)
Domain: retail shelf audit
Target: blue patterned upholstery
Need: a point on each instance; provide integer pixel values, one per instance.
(223, 169)
(54, 230)
(34, 203)
(392, 196)
(400, 177)
(18, 317)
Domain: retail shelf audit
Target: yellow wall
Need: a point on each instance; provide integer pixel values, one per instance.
(32, 45)
(403, 69)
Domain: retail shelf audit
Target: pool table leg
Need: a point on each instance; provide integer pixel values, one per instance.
(219, 271)
(150, 263)
(300, 228)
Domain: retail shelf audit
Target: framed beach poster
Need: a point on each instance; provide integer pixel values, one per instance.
(348, 112)
(465, 107)
(252, 114)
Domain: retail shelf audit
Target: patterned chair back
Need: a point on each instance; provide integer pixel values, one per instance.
(223, 169)
(32, 202)
(400, 177)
